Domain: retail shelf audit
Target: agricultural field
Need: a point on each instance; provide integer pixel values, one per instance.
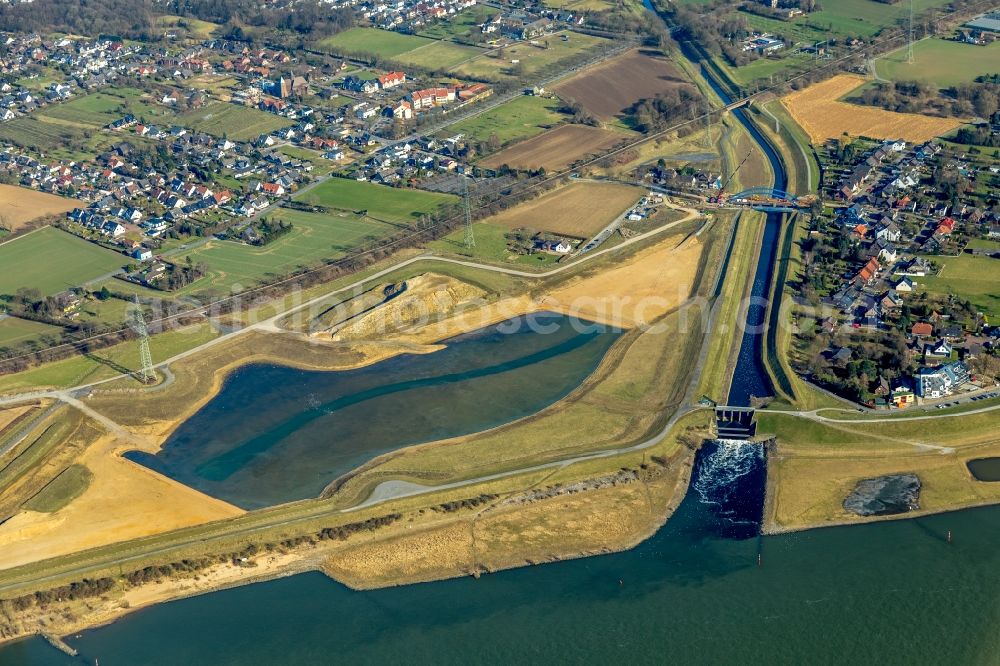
(581, 5)
(19, 205)
(762, 68)
(579, 210)
(99, 109)
(491, 245)
(314, 237)
(52, 260)
(521, 118)
(196, 28)
(382, 43)
(438, 55)
(57, 139)
(556, 149)
(459, 26)
(864, 18)
(498, 64)
(389, 204)
(819, 111)
(974, 278)
(239, 123)
(608, 89)
(941, 62)
(14, 331)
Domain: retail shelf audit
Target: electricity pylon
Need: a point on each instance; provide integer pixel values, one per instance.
(470, 238)
(146, 375)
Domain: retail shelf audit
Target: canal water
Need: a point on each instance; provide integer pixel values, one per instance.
(275, 434)
(887, 593)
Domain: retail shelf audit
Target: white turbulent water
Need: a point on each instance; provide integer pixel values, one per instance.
(732, 459)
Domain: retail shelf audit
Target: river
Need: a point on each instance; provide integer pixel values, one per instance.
(888, 593)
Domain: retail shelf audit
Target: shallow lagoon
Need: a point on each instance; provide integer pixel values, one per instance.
(276, 434)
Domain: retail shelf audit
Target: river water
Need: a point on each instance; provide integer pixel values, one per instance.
(275, 434)
(886, 593)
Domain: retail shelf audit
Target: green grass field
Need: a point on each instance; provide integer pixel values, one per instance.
(460, 25)
(60, 491)
(195, 27)
(236, 122)
(52, 260)
(974, 278)
(314, 238)
(390, 204)
(56, 138)
(491, 245)
(105, 363)
(762, 68)
(498, 65)
(372, 40)
(865, 17)
(518, 119)
(99, 109)
(942, 62)
(14, 331)
(438, 55)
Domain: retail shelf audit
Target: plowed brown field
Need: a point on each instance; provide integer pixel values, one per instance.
(823, 117)
(555, 149)
(611, 87)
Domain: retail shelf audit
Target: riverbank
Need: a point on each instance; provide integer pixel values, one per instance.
(634, 501)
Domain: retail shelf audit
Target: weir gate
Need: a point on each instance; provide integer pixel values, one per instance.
(735, 422)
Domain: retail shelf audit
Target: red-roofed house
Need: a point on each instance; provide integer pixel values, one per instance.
(391, 80)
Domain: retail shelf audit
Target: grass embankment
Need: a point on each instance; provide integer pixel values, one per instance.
(800, 160)
(61, 490)
(106, 363)
(816, 465)
(728, 305)
(630, 497)
(46, 451)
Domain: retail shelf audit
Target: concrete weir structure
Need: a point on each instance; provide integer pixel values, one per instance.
(735, 422)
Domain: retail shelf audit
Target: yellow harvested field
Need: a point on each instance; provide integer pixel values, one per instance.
(579, 210)
(820, 113)
(19, 205)
(637, 291)
(556, 149)
(148, 503)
